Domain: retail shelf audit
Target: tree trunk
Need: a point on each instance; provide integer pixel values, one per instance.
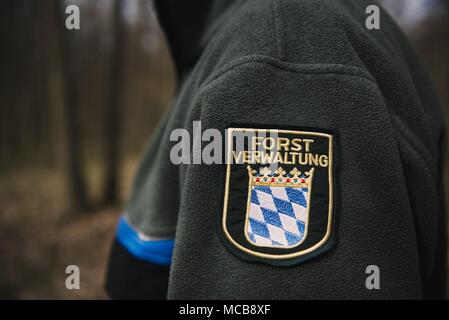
(72, 97)
(113, 106)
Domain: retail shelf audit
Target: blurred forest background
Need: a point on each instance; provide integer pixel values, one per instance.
(77, 108)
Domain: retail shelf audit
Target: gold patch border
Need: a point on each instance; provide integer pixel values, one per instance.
(331, 193)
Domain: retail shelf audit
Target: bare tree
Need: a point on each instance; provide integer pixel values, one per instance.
(113, 105)
(72, 97)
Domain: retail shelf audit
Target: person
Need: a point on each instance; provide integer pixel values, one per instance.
(335, 191)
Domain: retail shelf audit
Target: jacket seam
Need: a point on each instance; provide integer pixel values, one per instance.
(289, 67)
(424, 154)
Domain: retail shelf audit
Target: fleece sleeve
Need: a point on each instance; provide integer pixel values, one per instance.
(141, 254)
(384, 196)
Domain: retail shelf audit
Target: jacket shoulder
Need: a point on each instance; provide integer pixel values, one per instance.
(298, 31)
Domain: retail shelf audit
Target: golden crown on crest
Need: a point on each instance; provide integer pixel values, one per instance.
(280, 178)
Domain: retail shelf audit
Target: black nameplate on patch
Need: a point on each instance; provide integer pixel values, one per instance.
(279, 194)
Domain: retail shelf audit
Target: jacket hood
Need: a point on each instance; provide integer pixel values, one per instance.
(188, 25)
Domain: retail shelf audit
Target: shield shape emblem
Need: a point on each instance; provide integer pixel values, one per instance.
(279, 194)
(278, 207)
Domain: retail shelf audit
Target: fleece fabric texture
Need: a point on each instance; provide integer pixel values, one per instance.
(301, 63)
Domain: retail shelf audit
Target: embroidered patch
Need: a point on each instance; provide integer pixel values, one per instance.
(279, 198)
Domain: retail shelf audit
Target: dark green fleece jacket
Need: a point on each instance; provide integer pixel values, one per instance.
(358, 98)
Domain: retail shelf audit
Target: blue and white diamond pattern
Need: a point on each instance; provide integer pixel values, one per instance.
(277, 216)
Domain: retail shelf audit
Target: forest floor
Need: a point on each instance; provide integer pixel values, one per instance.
(40, 237)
